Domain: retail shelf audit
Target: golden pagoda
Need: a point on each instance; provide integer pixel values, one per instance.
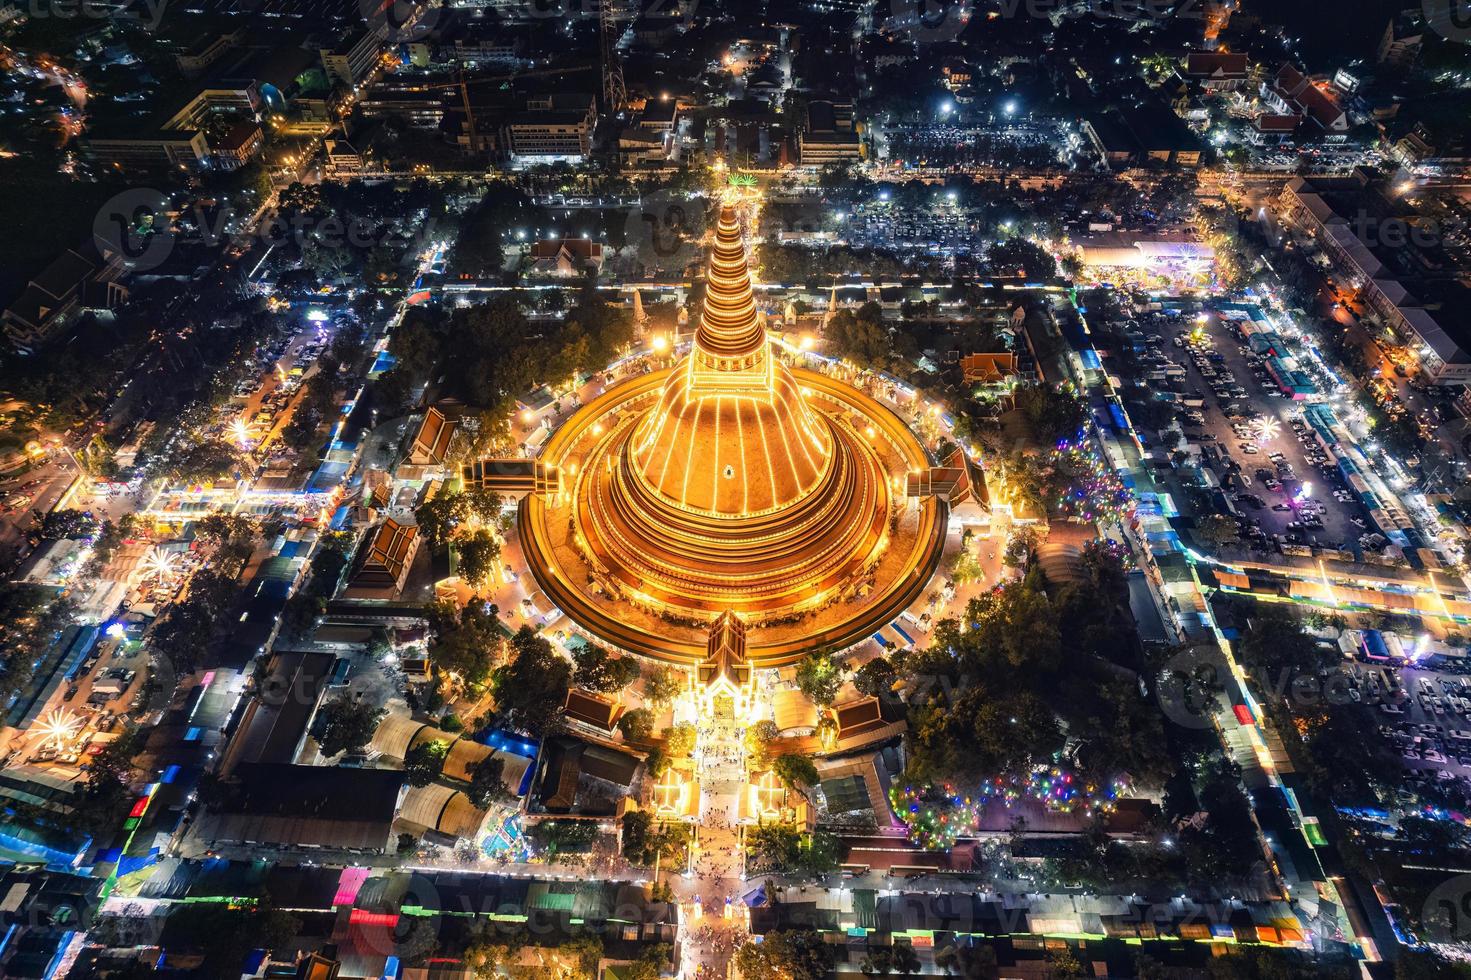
(731, 483)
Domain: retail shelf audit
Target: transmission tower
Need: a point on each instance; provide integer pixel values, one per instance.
(615, 94)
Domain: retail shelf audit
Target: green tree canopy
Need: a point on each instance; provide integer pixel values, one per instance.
(346, 724)
(785, 955)
(820, 676)
(531, 690)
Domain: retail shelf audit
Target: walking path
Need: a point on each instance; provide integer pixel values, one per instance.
(717, 879)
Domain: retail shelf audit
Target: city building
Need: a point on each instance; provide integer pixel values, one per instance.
(828, 137)
(552, 127)
(383, 561)
(513, 478)
(158, 151)
(333, 808)
(1290, 92)
(1164, 251)
(353, 60)
(566, 256)
(1400, 44)
(274, 726)
(42, 911)
(241, 143)
(1150, 133)
(1368, 236)
(430, 445)
(240, 97)
(955, 74)
(1218, 71)
(592, 711)
(342, 159)
(78, 278)
(204, 52)
(1268, 128)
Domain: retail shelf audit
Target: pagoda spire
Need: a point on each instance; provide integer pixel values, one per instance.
(730, 333)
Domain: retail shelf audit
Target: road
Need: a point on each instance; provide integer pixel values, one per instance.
(40, 489)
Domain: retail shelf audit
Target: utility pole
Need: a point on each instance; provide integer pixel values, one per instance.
(615, 94)
(469, 112)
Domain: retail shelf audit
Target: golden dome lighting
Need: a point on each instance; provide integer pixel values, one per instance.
(732, 482)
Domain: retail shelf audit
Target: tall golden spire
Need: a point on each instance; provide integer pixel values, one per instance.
(730, 337)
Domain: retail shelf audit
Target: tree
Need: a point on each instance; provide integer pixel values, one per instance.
(425, 761)
(225, 934)
(531, 690)
(466, 644)
(796, 772)
(645, 840)
(785, 955)
(875, 678)
(820, 676)
(106, 796)
(971, 962)
(662, 686)
(637, 725)
(1217, 530)
(31, 618)
(1413, 964)
(557, 837)
(477, 556)
(346, 724)
(597, 671)
(774, 846)
(487, 782)
(440, 517)
(1063, 964)
(758, 739)
(60, 524)
(861, 337)
(1019, 256)
(203, 462)
(819, 852)
(906, 960)
(1051, 413)
(877, 960)
(651, 963)
(680, 740)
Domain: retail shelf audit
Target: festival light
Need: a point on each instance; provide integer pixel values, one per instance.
(1094, 491)
(937, 815)
(161, 565)
(58, 727)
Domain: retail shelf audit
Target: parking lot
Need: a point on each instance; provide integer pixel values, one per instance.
(1255, 441)
(1425, 716)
